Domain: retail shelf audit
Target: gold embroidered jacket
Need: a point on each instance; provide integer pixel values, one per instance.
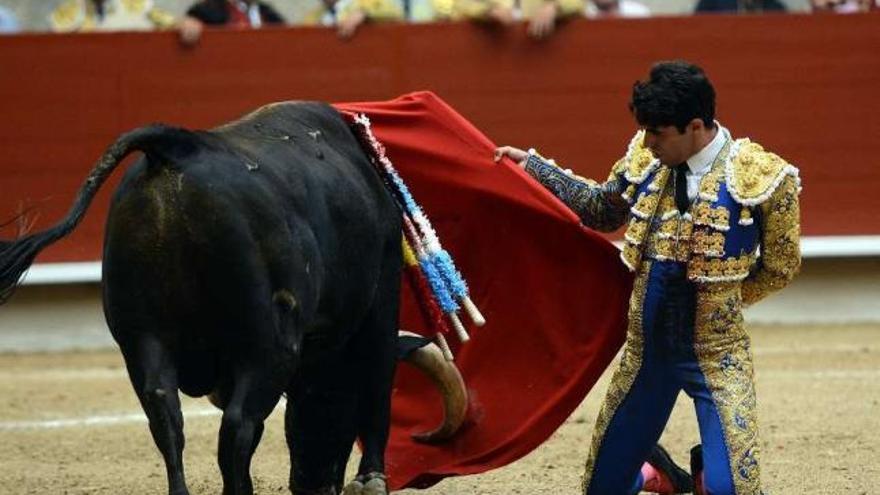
(744, 226)
(739, 241)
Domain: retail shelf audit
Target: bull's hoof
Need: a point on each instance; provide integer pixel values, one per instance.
(368, 484)
(353, 488)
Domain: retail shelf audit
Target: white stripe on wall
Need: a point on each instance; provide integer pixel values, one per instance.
(811, 247)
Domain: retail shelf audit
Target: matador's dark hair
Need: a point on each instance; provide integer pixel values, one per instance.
(675, 93)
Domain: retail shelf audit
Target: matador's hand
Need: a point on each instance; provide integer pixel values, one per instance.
(517, 155)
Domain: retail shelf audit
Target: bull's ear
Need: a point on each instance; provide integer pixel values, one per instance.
(428, 358)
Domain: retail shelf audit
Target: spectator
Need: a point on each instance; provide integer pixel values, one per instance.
(8, 21)
(348, 15)
(541, 15)
(842, 6)
(497, 11)
(108, 15)
(743, 6)
(234, 13)
(616, 8)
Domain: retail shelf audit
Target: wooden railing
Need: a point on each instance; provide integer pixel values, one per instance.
(804, 86)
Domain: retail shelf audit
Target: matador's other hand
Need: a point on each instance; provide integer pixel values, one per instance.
(517, 155)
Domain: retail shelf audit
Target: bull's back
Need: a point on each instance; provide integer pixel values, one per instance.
(282, 201)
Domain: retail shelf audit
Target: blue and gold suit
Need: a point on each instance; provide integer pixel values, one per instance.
(695, 271)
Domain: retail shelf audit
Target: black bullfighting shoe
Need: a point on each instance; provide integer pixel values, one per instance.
(697, 469)
(673, 479)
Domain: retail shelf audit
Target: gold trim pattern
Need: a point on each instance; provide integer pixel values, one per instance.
(780, 243)
(717, 218)
(624, 375)
(745, 216)
(646, 205)
(708, 243)
(670, 228)
(754, 173)
(711, 185)
(636, 231)
(663, 249)
(703, 269)
(645, 209)
(631, 255)
(723, 351)
(640, 161)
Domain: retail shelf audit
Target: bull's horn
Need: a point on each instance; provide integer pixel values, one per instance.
(430, 360)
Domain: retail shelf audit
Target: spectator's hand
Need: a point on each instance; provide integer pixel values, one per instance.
(543, 22)
(349, 25)
(515, 154)
(501, 15)
(190, 30)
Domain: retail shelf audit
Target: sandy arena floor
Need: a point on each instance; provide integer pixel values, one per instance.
(70, 424)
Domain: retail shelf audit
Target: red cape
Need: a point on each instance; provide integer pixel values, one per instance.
(554, 295)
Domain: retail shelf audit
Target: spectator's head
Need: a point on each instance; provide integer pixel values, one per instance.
(841, 6)
(608, 7)
(676, 107)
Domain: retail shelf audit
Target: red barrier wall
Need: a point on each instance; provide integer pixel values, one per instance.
(804, 86)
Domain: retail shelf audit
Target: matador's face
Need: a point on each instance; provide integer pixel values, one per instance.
(671, 146)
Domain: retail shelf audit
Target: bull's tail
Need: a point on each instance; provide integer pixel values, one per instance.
(157, 141)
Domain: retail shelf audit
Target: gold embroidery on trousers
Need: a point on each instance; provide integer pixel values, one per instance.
(723, 350)
(624, 375)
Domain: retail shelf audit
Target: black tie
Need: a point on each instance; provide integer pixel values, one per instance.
(681, 189)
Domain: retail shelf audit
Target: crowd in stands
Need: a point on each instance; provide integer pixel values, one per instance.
(8, 21)
(346, 16)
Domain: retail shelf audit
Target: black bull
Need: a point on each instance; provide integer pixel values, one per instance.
(257, 259)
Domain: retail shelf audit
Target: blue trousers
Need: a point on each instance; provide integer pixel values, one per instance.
(668, 365)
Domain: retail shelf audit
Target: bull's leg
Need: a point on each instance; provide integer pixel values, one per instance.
(153, 375)
(255, 391)
(320, 426)
(376, 360)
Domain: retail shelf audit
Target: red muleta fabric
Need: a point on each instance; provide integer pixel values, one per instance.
(554, 294)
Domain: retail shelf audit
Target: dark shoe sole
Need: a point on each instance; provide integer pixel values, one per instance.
(662, 461)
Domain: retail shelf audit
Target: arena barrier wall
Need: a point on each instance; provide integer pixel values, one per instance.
(804, 86)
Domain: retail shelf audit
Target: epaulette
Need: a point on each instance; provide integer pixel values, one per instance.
(639, 160)
(753, 174)
(66, 17)
(160, 18)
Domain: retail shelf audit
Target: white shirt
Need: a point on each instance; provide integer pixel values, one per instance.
(699, 164)
(626, 8)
